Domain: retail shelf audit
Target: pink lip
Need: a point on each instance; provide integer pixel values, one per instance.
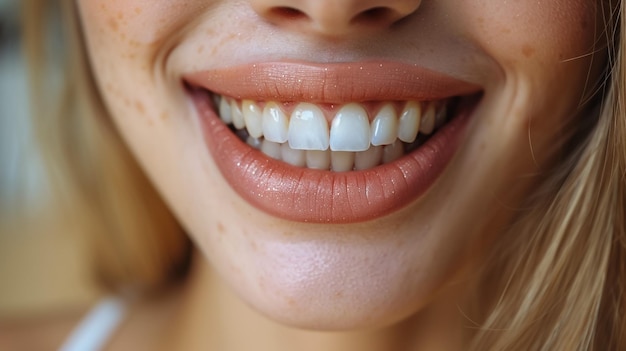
(307, 195)
(331, 83)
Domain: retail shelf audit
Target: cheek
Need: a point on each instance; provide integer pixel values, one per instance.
(537, 31)
(543, 49)
(125, 41)
(127, 46)
(139, 22)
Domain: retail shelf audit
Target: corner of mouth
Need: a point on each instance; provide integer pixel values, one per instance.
(316, 161)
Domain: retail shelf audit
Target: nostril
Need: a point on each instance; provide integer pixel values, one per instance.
(375, 15)
(288, 13)
(334, 18)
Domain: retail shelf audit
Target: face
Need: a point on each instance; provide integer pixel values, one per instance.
(367, 151)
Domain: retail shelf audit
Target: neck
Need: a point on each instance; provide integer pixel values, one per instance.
(213, 318)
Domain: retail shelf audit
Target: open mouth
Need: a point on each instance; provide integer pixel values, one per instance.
(322, 160)
(339, 138)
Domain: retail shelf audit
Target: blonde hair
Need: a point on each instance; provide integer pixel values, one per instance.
(560, 270)
(135, 239)
(556, 281)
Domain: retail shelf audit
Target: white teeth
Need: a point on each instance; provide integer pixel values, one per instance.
(252, 115)
(254, 142)
(237, 116)
(318, 159)
(293, 157)
(409, 122)
(393, 152)
(350, 129)
(275, 123)
(338, 161)
(271, 149)
(368, 159)
(428, 121)
(385, 126)
(225, 111)
(304, 138)
(342, 161)
(308, 129)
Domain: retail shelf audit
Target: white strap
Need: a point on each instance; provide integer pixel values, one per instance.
(96, 328)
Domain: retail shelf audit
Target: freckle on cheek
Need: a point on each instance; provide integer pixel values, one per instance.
(139, 106)
(528, 51)
(291, 302)
(112, 24)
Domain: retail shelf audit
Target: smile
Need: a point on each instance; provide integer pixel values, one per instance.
(337, 143)
(331, 138)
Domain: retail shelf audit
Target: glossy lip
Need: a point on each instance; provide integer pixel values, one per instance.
(316, 196)
(331, 83)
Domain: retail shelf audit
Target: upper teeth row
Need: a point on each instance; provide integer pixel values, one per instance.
(350, 130)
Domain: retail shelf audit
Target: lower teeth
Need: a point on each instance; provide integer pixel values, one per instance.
(337, 161)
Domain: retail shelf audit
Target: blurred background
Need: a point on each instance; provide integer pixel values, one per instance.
(14, 123)
(42, 270)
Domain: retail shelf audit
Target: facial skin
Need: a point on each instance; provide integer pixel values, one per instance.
(530, 58)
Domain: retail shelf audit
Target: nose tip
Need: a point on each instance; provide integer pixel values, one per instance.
(334, 18)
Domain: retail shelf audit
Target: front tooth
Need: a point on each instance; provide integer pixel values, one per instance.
(385, 126)
(409, 123)
(342, 161)
(271, 149)
(292, 156)
(308, 129)
(393, 152)
(368, 159)
(428, 121)
(237, 116)
(252, 115)
(275, 123)
(318, 159)
(350, 130)
(225, 112)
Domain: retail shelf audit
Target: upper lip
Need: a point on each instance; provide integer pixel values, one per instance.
(308, 195)
(331, 82)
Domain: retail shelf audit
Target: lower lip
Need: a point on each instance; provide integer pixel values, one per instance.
(317, 196)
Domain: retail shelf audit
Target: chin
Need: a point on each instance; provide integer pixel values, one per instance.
(332, 284)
